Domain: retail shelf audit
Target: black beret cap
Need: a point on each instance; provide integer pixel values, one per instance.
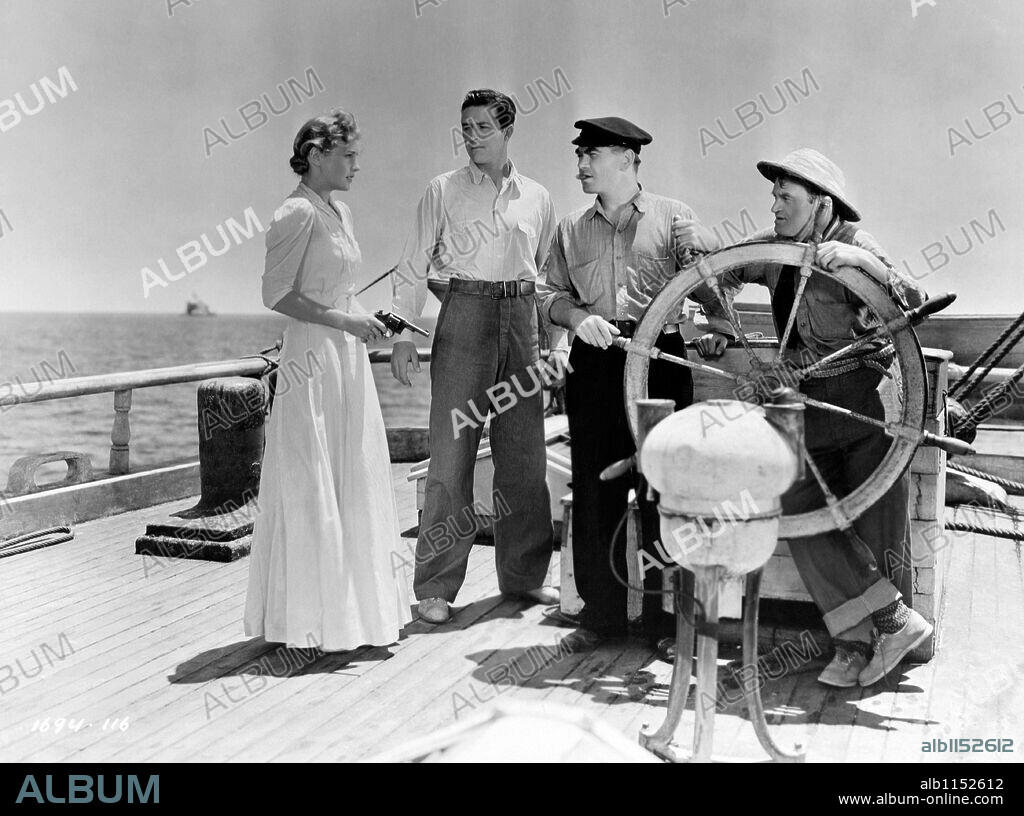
(610, 130)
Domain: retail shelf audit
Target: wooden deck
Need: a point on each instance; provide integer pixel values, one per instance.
(94, 633)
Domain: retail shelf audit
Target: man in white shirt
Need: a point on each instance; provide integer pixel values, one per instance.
(483, 229)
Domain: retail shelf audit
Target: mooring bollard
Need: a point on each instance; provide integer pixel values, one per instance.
(232, 412)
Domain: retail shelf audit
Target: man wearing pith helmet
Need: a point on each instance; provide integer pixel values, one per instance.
(606, 263)
(847, 574)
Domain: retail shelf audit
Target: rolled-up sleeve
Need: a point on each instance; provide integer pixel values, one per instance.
(730, 283)
(554, 286)
(287, 240)
(901, 289)
(557, 335)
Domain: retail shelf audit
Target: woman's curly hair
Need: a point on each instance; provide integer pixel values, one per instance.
(323, 132)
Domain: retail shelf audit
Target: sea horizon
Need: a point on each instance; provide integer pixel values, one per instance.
(163, 419)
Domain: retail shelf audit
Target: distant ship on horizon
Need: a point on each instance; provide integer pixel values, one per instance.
(197, 308)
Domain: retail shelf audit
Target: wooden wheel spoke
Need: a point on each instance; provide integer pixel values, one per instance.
(805, 274)
(709, 277)
(891, 428)
(656, 353)
(842, 522)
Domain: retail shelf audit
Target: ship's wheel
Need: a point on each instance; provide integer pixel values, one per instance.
(904, 422)
(905, 418)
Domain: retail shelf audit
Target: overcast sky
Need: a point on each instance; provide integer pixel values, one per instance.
(133, 162)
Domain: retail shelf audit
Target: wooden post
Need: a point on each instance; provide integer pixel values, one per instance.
(634, 568)
(930, 547)
(706, 699)
(571, 603)
(120, 434)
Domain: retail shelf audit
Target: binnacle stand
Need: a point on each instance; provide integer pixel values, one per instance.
(662, 742)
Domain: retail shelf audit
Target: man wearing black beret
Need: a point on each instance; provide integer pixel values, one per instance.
(606, 263)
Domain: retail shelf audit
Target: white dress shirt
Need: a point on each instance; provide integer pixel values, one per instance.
(467, 228)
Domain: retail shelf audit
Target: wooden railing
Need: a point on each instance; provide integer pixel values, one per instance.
(124, 383)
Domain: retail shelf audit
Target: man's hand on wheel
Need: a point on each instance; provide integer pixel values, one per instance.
(712, 345)
(596, 331)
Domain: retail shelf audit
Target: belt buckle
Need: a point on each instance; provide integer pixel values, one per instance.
(497, 290)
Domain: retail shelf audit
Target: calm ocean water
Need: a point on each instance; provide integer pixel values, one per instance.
(38, 346)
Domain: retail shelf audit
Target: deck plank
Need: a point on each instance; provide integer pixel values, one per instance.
(153, 647)
(267, 717)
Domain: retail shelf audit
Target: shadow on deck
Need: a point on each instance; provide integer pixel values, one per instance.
(142, 659)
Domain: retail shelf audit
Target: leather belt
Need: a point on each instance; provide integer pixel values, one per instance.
(492, 289)
(627, 328)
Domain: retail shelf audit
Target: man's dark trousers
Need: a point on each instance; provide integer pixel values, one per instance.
(848, 580)
(599, 433)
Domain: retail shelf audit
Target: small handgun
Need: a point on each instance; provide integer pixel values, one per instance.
(396, 324)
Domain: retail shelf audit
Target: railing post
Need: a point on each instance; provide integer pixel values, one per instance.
(120, 434)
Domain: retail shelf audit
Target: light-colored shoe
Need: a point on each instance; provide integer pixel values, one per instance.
(434, 610)
(890, 649)
(845, 668)
(549, 596)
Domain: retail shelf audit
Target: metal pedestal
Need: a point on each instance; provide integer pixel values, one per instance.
(662, 742)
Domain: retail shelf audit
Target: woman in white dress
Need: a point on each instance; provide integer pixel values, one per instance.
(326, 542)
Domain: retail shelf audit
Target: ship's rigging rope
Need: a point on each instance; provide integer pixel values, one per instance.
(964, 422)
(1016, 488)
(986, 407)
(983, 529)
(1013, 333)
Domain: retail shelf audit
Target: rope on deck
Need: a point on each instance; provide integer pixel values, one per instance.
(1016, 488)
(35, 541)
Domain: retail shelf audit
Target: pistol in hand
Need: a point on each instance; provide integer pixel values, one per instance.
(396, 324)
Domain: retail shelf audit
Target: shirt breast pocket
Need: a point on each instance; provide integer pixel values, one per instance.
(585, 276)
(527, 235)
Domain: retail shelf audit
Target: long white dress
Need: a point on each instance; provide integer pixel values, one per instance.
(326, 567)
